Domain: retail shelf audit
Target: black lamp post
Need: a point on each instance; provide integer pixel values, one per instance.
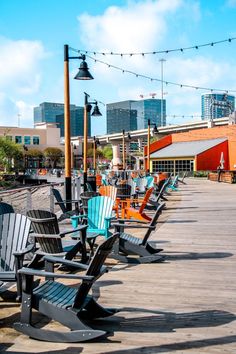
(96, 112)
(155, 131)
(96, 142)
(123, 146)
(83, 74)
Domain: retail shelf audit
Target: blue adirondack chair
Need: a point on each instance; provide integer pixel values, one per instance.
(174, 184)
(98, 218)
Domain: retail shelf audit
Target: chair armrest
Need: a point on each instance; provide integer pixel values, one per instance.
(41, 273)
(110, 218)
(28, 249)
(69, 201)
(67, 262)
(79, 228)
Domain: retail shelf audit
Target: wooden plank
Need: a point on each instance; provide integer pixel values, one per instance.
(184, 305)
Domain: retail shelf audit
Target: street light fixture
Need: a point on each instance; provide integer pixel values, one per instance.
(155, 131)
(96, 112)
(83, 74)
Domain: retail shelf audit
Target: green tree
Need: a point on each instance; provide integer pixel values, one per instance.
(99, 153)
(53, 155)
(34, 153)
(107, 152)
(10, 154)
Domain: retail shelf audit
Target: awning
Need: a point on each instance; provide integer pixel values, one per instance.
(186, 148)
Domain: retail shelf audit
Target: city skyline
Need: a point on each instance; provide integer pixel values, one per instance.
(32, 39)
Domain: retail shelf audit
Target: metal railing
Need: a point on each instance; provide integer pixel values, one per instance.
(37, 196)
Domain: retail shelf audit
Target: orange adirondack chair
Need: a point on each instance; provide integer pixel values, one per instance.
(110, 191)
(139, 214)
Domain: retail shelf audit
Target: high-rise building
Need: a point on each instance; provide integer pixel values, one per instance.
(121, 116)
(217, 105)
(50, 112)
(133, 115)
(150, 109)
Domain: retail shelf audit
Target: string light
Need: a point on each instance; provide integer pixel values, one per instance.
(166, 51)
(156, 79)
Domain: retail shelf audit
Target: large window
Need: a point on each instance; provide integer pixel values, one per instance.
(172, 166)
(27, 140)
(18, 139)
(183, 165)
(163, 166)
(35, 140)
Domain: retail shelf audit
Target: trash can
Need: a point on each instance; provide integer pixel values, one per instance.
(92, 181)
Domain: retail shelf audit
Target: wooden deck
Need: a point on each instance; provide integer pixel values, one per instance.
(185, 305)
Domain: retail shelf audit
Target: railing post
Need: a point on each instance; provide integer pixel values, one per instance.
(51, 198)
(78, 187)
(73, 188)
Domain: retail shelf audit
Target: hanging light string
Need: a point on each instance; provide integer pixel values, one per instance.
(124, 71)
(166, 51)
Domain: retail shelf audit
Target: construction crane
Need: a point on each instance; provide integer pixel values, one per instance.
(152, 95)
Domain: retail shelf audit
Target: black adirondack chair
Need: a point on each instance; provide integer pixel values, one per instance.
(153, 203)
(132, 249)
(6, 208)
(49, 237)
(85, 196)
(66, 214)
(14, 232)
(71, 306)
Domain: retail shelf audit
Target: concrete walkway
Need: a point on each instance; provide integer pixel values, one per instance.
(185, 305)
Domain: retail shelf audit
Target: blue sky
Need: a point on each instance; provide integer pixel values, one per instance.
(33, 33)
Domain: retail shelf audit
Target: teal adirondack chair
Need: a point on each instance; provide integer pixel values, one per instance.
(174, 184)
(99, 217)
(150, 182)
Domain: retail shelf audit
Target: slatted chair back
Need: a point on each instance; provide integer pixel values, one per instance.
(6, 208)
(145, 199)
(43, 222)
(85, 196)
(153, 222)
(108, 191)
(59, 199)
(50, 244)
(14, 232)
(123, 191)
(99, 208)
(94, 268)
(45, 225)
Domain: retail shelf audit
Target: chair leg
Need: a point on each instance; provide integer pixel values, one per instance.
(94, 310)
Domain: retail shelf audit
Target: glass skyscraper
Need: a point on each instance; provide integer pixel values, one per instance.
(51, 112)
(121, 116)
(133, 115)
(217, 105)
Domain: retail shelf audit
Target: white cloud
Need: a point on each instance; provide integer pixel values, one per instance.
(137, 26)
(20, 78)
(231, 3)
(142, 26)
(19, 65)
